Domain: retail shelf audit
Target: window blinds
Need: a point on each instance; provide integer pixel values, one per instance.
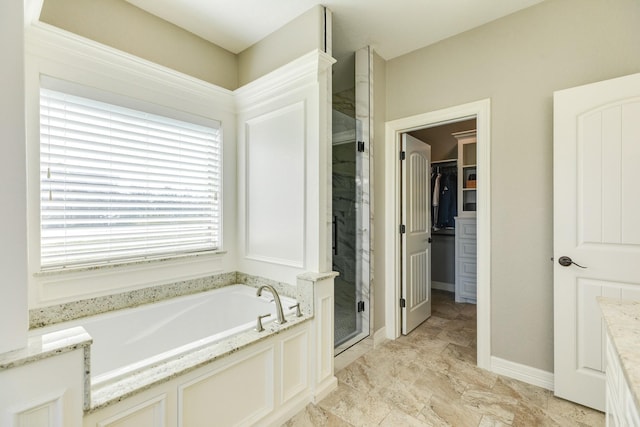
(119, 184)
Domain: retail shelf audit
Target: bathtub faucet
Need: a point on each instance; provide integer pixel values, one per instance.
(276, 299)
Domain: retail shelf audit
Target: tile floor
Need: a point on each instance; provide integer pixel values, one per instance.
(429, 378)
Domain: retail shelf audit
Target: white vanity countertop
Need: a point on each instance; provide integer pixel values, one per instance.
(622, 318)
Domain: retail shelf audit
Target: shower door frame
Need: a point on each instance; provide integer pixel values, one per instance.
(363, 87)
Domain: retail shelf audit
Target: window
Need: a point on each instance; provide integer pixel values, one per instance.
(118, 184)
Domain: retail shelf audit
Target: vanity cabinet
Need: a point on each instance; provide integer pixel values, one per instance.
(621, 315)
(621, 406)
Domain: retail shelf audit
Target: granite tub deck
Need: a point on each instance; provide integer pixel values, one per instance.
(145, 378)
(44, 343)
(42, 346)
(622, 318)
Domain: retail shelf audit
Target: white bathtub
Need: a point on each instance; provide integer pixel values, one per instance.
(130, 340)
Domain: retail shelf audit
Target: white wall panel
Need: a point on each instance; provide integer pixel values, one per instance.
(13, 226)
(294, 366)
(275, 177)
(44, 393)
(46, 415)
(151, 413)
(238, 394)
(284, 180)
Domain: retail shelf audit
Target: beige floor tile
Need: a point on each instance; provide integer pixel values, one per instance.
(314, 416)
(489, 421)
(430, 378)
(522, 391)
(577, 413)
(500, 407)
(355, 407)
(446, 412)
(397, 418)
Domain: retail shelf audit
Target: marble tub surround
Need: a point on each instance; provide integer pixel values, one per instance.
(49, 315)
(430, 378)
(302, 292)
(622, 318)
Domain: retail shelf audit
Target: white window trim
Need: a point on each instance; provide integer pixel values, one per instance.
(65, 56)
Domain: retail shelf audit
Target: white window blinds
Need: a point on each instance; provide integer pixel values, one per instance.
(119, 184)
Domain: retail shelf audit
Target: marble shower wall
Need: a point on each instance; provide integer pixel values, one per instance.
(344, 210)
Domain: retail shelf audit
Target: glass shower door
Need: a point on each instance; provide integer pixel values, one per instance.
(350, 185)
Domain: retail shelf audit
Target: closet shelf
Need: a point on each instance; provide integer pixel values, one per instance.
(444, 161)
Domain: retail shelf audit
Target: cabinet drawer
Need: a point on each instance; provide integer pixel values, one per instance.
(468, 267)
(466, 229)
(467, 287)
(466, 249)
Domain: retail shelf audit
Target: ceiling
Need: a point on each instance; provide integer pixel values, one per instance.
(393, 28)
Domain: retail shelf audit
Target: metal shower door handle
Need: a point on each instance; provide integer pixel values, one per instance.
(565, 261)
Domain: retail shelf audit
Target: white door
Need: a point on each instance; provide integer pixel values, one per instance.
(416, 255)
(596, 225)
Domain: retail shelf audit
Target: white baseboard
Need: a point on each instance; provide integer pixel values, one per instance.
(523, 373)
(379, 336)
(443, 286)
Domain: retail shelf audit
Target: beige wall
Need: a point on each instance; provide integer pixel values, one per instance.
(444, 146)
(300, 36)
(378, 198)
(123, 26)
(518, 62)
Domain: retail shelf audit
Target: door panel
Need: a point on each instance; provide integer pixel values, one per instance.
(416, 211)
(596, 223)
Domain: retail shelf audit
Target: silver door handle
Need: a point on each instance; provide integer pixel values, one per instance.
(565, 261)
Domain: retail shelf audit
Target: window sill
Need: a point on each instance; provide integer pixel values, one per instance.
(116, 265)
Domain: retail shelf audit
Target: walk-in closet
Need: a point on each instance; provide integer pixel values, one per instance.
(453, 205)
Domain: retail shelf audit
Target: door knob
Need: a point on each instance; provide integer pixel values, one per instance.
(565, 261)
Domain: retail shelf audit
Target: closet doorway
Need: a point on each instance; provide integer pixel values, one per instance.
(480, 110)
(445, 261)
(444, 183)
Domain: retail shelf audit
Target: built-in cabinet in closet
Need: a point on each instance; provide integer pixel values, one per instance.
(465, 241)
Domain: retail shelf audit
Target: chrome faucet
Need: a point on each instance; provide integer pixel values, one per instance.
(276, 299)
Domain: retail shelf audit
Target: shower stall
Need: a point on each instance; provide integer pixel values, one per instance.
(350, 201)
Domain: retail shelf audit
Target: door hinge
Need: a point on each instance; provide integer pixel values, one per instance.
(429, 240)
(403, 303)
(403, 229)
(403, 155)
(361, 146)
(360, 306)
